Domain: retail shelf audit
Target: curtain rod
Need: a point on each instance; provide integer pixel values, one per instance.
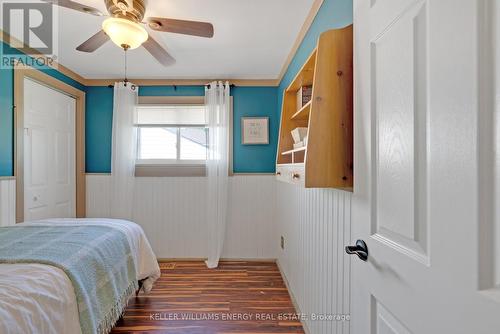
(230, 85)
(175, 86)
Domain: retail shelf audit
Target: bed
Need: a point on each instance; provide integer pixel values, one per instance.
(41, 298)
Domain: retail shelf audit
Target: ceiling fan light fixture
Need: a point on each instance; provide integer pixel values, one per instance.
(125, 33)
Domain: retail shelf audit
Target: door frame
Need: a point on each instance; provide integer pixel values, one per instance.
(22, 72)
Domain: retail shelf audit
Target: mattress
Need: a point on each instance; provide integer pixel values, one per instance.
(36, 298)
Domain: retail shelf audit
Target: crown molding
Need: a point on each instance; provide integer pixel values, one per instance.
(183, 82)
(303, 31)
(4, 37)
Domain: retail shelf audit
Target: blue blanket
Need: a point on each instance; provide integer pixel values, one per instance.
(97, 260)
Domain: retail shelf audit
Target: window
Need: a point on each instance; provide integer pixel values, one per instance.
(172, 134)
(173, 137)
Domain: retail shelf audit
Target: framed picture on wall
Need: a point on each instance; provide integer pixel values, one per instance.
(255, 130)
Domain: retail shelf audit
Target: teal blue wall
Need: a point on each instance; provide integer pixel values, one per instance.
(255, 101)
(247, 101)
(98, 126)
(7, 111)
(333, 14)
(6, 123)
(172, 91)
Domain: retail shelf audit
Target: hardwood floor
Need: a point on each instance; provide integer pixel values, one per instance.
(238, 297)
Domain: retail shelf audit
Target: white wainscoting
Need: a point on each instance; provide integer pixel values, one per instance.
(172, 213)
(316, 226)
(251, 225)
(7, 202)
(314, 222)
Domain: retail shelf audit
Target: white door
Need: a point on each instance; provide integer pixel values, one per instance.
(49, 153)
(417, 171)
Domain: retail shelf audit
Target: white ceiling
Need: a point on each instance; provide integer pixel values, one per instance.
(252, 40)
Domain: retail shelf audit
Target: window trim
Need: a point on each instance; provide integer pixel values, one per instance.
(173, 170)
(181, 168)
(170, 100)
(169, 162)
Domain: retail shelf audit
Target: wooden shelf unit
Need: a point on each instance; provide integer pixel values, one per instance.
(327, 159)
(294, 151)
(303, 113)
(305, 77)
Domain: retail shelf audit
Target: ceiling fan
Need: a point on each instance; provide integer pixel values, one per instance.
(125, 27)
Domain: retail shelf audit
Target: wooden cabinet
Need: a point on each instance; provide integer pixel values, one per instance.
(326, 159)
(291, 173)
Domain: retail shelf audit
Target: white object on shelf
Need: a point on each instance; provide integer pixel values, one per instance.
(298, 134)
(298, 145)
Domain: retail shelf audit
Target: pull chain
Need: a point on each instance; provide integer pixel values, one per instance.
(126, 80)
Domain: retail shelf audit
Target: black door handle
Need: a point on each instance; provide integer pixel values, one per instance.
(360, 250)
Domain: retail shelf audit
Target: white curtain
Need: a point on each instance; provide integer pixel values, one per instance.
(217, 111)
(123, 150)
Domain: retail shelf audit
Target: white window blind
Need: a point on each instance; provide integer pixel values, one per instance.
(183, 115)
(171, 134)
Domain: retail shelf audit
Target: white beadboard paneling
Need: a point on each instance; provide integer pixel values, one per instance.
(98, 195)
(314, 222)
(172, 213)
(7, 202)
(250, 230)
(316, 227)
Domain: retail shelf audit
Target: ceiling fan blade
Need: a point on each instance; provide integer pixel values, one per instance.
(158, 52)
(94, 42)
(76, 6)
(195, 28)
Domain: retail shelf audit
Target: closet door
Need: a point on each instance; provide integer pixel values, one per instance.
(49, 153)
